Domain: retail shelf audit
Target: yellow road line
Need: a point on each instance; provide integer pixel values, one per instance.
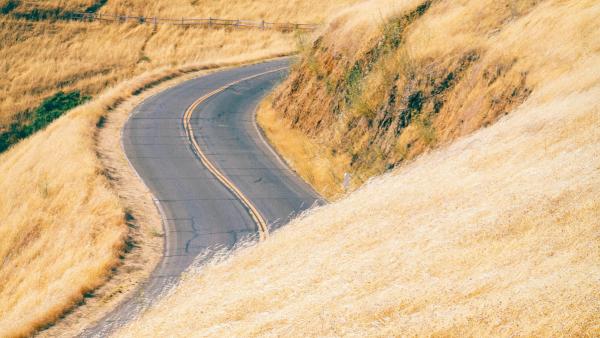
(252, 210)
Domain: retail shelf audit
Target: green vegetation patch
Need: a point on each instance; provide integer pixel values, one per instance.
(392, 38)
(34, 120)
(37, 14)
(8, 6)
(96, 6)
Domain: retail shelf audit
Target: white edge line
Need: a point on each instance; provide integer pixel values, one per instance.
(158, 205)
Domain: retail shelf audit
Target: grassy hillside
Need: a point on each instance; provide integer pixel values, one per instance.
(304, 11)
(44, 6)
(495, 234)
(63, 227)
(42, 58)
(401, 77)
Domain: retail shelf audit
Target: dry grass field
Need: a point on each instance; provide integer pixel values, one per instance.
(495, 234)
(63, 228)
(67, 5)
(41, 58)
(299, 11)
(393, 79)
(302, 11)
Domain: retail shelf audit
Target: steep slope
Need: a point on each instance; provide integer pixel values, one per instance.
(390, 80)
(494, 234)
(63, 228)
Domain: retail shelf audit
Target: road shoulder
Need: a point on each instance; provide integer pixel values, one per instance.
(145, 230)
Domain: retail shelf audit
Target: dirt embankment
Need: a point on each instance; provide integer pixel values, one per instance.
(389, 81)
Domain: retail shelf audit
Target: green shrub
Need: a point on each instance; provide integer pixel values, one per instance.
(8, 6)
(32, 121)
(96, 6)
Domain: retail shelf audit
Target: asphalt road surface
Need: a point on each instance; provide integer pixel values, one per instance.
(199, 211)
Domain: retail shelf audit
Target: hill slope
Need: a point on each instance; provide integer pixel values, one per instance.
(375, 92)
(64, 228)
(42, 55)
(494, 234)
(42, 58)
(305, 11)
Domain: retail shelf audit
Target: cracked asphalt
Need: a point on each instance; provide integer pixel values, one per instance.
(200, 213)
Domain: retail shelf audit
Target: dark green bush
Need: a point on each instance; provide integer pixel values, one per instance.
(96, 6)
(9, 6)
(34, 120)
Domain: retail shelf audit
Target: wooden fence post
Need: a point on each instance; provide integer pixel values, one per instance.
(155, 23)
(182, 21)
(209, 22)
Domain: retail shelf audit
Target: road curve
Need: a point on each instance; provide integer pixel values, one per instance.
(199, 211)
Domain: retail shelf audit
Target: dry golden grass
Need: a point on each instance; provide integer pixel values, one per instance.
(69, 5)
(302, 11)
(311, 160)
(480, 45)
(62, 227)
(495, 234)
(41, 58)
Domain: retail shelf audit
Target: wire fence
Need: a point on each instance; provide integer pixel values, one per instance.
(201, 22)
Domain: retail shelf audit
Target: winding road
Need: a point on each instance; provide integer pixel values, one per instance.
(215, 179)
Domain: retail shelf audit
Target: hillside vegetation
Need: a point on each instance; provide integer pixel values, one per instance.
(41, 8)
(495, 234)
(376, 91)
(42, 55)
(303, 11)
(42, 58)
(63, 227)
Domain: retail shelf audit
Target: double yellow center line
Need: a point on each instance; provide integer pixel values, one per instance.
(260, 221)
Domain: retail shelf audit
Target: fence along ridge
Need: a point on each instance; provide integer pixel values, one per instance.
(209, 22)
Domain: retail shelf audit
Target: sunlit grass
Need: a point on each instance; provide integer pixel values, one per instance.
(62, 227)
(495, 234)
